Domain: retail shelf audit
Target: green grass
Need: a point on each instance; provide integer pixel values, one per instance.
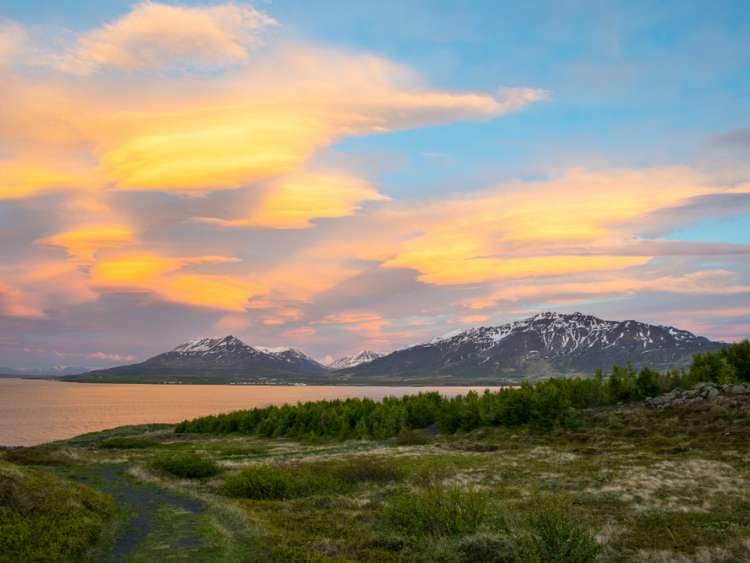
(45, 518)
(40, 455)
(186, 466)
(554, 536)
(364, 469)
(411, 438)
(441, 511)
(126, 443)
(625, 483)
(282, 482)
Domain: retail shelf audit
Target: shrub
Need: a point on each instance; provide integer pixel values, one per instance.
(487, 548)
(547, 404)
(369, 468)
(35, 456)
(280, 483)
(126, 443)
(411, 438)
(440, 511)
(554, 537)
(45, 518)
(186, 466)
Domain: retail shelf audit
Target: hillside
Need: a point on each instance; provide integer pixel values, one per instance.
(213, 360)
(542, 345)
(578, 471)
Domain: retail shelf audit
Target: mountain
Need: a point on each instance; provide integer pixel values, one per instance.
(542, 345)
(350, 361)
(214, 360)
(40, 373)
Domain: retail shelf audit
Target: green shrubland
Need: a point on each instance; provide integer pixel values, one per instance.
(126, 443)
(546, 404)
(186, 466)
(45, 518)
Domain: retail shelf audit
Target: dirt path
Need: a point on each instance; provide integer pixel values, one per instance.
(158, 524)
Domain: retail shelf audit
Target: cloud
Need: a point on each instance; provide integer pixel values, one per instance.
(295, 200)
(734, 138)
(562, 226)
(83, 242)
(171, 114)
(154, 36)
(195, 134)
(114, 358)
(12, 39)
(607, 285)
(17, 303)
(166, 277)
(26, 177)
(298, 333)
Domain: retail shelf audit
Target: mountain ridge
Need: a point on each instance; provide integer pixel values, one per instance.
(548, 342)
(361, 357)
(215, 359)
(545, 344)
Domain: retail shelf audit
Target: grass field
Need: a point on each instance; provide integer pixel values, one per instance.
(627, 483)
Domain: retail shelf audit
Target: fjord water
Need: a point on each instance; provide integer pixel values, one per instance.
(33, 412)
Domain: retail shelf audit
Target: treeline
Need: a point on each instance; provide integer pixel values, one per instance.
(545, 404)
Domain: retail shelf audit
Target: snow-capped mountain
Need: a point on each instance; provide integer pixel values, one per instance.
(291, 356)
(543, 344)
(350, 361)
(216, 359)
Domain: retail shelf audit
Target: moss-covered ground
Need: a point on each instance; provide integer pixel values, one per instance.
(625, 484)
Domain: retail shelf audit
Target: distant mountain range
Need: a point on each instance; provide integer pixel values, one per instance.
(543, 345)
(40, 373)
(357, 359)
(214, 360)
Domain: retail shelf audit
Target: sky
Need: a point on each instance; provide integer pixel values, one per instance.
(337, 176)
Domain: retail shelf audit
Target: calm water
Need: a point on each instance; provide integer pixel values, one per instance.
(33, 412)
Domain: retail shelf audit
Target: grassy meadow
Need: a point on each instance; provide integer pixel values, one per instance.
(613, 482)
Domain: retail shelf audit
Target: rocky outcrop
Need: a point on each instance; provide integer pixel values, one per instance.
(704, 396)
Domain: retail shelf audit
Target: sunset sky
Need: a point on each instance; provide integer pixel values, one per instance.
(342, 175)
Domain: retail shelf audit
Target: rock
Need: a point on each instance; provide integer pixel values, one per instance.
(737, 389)
(710, 393)
(702, 396)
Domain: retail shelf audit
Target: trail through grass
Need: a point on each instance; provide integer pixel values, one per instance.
(159, 524)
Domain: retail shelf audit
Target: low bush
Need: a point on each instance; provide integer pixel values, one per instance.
(281, 482)
(370, 469)
(186, 466)
(411, 438)
(487, 548)
(441, 511)
(547, 404)
(553, 536)
(126, 443)
(45, 518)
(35, 456)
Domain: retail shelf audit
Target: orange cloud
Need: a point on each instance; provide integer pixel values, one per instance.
(699, 282)
(527, 230)
(28, 177)
(473, 319)
(109, 357)
(297, 333)
(293, 201)
(155, 35)
(163, 276)
(83, 242)
(195, 133)
(17, 303)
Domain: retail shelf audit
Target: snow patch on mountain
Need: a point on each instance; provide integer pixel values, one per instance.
(357, 359)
